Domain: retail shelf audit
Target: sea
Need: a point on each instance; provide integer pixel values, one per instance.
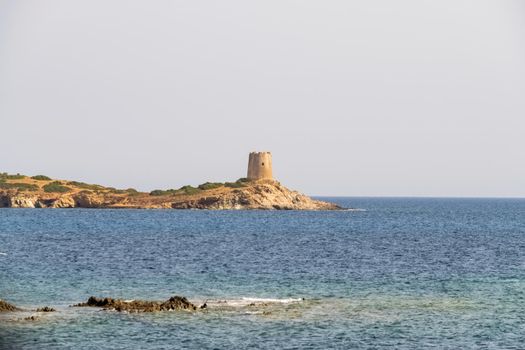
(391, 273)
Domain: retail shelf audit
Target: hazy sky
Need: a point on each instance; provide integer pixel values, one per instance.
(376, 97)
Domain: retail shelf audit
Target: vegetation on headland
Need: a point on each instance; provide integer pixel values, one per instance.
(128, 191)
(6, 176)
(210, 185)
(18, 186)
(48, 185)
(56, 187)
(188, 190)
(41, 177)
(85, 186)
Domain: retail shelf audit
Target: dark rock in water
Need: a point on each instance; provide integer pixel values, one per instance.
(45, 309)
(97, 302)
(176, 303)
(31, 318)
(173, 303)
(6, 307)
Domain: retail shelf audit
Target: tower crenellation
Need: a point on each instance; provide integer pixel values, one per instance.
(260, 166)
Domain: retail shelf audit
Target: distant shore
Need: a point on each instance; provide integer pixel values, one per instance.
(20, 191)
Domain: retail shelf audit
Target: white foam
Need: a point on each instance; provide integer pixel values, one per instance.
(3, 253)
(272, 300)
(246, 301)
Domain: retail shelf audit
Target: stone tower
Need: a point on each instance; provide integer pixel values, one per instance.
(260, 166)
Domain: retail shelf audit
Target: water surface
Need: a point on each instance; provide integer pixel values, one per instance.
(401, 273)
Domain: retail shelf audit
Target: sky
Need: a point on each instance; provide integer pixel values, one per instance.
(353, 98)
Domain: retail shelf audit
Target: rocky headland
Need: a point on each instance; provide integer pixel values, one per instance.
(19, 191)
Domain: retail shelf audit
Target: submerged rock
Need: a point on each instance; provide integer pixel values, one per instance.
(45, 309)
(6, 307)
(173, 303)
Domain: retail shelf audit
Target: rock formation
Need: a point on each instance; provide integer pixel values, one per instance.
(6, 307)
(45, 309)
(262, 194)
(21, 200)
(173, 303)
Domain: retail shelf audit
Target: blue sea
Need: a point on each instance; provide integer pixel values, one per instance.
(399, 273)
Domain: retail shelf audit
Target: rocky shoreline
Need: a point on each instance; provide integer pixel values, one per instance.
(7, 307)
(174, 303)
(28, 192)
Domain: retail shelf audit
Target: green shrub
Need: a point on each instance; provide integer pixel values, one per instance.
(181, 191)
(187, 190)
(158, 193)
(40, 177)
(242, 182)
(26, 187)
(235, 184)
(19, 186)
(56, 186)
(86, 186)
(5, 185)
(6, 176)
(163, 192)
(132, 192)
(210, 185)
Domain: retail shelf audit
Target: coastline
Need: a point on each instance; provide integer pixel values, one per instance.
(19, 191)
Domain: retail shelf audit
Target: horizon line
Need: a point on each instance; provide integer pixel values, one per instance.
(420, 197)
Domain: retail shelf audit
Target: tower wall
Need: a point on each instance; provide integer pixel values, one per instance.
(260, 166)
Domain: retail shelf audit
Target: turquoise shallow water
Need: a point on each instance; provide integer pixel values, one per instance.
(401, 273)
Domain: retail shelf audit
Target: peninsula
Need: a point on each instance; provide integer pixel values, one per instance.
(257, 191)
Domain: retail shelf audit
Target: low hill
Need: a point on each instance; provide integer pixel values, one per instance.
(20, 191)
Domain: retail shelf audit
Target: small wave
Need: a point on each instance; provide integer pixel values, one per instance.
(249, 301)
(3, 253)
(273, 300)
(254, 313)
(355, 209)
